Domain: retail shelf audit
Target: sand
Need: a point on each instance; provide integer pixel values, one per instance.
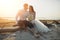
(26, 35)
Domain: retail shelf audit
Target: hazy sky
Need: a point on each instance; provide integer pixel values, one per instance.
(49, 9)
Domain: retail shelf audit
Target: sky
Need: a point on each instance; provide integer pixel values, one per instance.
(45, 9)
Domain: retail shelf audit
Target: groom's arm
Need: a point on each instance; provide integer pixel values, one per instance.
(27, 14)
(17, 15)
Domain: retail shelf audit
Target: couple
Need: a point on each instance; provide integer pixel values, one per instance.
(24, 17)
(28, 18)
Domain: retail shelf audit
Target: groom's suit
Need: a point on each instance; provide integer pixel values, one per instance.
(22, 16)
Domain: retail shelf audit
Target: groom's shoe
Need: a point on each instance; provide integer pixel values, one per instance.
(37, 35)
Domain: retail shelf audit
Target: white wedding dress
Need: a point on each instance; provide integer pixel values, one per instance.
(40, 26)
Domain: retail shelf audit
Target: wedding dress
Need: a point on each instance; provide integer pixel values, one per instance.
(40, 26)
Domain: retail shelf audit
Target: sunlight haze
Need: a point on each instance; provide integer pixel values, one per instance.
(45, 9)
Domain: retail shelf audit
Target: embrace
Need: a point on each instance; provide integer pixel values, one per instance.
(26, 18)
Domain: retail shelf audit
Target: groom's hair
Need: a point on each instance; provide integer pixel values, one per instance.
(25, 5)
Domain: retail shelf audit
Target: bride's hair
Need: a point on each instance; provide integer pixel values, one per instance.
(31, 8)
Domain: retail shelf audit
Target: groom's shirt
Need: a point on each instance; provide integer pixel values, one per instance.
(22, 15)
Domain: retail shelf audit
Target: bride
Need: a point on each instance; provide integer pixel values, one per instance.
(37, 24)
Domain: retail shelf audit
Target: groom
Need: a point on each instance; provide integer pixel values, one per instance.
(22, 15)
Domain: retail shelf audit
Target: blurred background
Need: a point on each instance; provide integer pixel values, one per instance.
(45, 9)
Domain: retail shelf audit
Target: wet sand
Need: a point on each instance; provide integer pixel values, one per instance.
(26, 35)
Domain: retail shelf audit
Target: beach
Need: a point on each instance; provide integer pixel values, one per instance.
(26, 35)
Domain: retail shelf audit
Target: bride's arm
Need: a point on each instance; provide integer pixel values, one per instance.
(34, 15)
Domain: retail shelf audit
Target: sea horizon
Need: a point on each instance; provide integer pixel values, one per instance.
(39, 18)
